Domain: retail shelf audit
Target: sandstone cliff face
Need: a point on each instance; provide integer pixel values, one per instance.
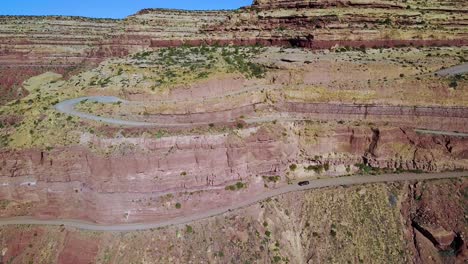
(443, 5)
(323, 24)
(300, 227)
(33, 45)
(437, 118)
(197, 168)
(293, 228)
(434, 221)
(148, 177)
(122, 175)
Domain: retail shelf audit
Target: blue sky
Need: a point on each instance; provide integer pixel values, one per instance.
(108, 8)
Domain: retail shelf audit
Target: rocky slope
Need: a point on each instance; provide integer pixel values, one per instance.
(269, 116)
(324, 24)
(143, 179)
(54, 165)
(434, 221)
(33, 45)
(362, 224)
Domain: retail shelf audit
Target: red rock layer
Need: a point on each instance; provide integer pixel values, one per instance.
(310, 43)
(31, 45)
(103, 187)
(387, 4)
(435, 222)
(438, 118)
(274, 4)
(375, 110)
(133, 185)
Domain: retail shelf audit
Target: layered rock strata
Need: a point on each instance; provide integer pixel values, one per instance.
(146, 180)
(32, 45)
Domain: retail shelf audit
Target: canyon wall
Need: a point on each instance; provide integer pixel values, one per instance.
(33, 45)
(143, 179)
(75, 183)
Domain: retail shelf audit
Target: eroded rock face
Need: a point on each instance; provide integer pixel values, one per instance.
(102, 186)
(318, 222)
(78, 249)
(143, 179)
(434, 214)
(341, 3)
(72, 42)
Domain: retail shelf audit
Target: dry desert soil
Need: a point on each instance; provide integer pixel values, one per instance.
(288, 131)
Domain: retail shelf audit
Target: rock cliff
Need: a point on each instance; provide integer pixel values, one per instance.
(144, 178)
(33, 45)
(234, 123)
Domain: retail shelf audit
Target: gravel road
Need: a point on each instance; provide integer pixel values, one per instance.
(459, 69)
(314, 184)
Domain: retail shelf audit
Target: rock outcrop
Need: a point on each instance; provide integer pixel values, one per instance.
(435, 222)
(226, 135)
(144, 178)
(106, 188)
(33, 45)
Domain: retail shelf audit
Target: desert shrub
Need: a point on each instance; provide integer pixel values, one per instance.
(293, 167)
(239, 59)
(272, 178)
(367, 169)
(235, 187)
(141, 55)
(454, 80)
(316, 168)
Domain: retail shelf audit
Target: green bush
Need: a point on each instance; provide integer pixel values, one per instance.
(317, 168)
(240, 185)
(454, 80)
(366, 169)
(235, 187)
(230, 188)
(272, 178)
(293, 167)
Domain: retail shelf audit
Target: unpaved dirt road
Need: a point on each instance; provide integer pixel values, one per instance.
(314, 184)
(68, 107)
(459, 69)
(445, 133)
